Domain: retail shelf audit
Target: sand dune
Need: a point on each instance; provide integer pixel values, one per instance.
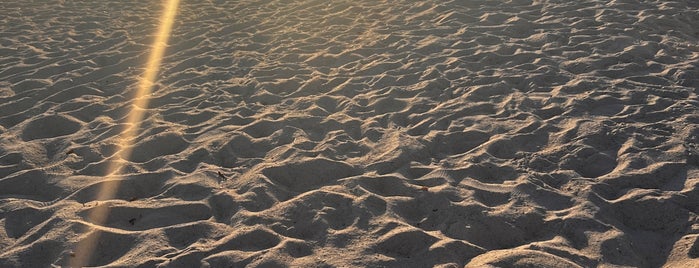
(521, 133)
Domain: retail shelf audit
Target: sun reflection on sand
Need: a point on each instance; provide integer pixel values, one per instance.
(98, 215)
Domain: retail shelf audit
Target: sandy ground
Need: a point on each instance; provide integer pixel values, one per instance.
(522, 133)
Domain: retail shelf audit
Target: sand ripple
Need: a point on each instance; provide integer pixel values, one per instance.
(354, 133)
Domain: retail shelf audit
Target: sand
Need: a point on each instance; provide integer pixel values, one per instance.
(522, 133)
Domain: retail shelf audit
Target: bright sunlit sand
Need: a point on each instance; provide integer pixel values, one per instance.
(85, 248)
(303, 133)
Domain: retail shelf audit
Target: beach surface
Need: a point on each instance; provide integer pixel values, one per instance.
(309, 133)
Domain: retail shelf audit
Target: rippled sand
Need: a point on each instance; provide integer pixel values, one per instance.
(522, 133)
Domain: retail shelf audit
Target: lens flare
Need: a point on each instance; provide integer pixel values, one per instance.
(97, 216)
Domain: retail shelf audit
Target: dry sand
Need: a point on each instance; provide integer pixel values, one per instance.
(522, 133)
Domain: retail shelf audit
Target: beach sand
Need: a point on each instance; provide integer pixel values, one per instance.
(479, 133)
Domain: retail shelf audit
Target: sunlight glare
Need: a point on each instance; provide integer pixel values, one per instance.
(98, 215)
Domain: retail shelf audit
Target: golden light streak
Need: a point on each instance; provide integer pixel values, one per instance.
(84, 249)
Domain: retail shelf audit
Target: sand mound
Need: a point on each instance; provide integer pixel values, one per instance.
(519, 133)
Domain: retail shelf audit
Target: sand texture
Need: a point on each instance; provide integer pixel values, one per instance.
(350, 133)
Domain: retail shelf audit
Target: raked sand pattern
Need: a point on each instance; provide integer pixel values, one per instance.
(522, 133)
